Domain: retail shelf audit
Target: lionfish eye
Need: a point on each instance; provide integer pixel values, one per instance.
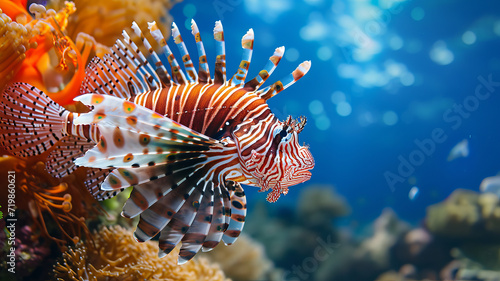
(283, 133)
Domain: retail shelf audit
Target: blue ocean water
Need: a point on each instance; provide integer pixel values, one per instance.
(394, 86)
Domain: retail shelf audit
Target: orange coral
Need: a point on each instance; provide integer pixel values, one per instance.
(65, 201)
(105, 20)
(117, 256)
(14, 42)
(54, 63)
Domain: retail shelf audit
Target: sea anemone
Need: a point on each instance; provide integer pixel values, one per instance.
(65, 201)
(115, 255)
(14, 42)
(105, 20)
(40, 53)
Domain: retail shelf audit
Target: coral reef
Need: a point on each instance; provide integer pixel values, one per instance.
(373, 254)
(420, 249)
(245, 260)
(29, 253)
(469, 222)
(466, 214)
(319, 204)
(115, 255)
(66, 201)
(289, 236)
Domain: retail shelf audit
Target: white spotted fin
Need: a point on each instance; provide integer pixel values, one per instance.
(175, 192)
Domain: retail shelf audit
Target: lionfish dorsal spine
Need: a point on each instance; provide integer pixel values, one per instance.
(143, 69)
(178, 75)
(160, 69)
(269, 68)
(286, 81)
(247, 44)
(186, 59)
(220, 50)
(203, 69)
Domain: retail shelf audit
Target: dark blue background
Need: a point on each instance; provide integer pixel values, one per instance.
(348, 155)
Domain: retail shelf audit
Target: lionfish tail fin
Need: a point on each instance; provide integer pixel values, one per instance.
(93, 183)
(247, 44)
(220, 49)
(286, 82)
(269, 68)
(59, 162)
(30, 122)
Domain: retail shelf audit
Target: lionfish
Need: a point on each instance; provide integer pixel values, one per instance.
(184, 141)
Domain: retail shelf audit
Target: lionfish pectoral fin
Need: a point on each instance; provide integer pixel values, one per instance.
(218, 224)
(193, 240)
(238, 212)
(59, 162)
(181, 222)
(166, 163)
(30, 122)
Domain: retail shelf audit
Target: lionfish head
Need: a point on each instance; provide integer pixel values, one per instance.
(271, 156)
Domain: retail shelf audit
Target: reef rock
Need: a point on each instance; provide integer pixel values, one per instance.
(245, 260)
(370, 258)
(466, 214)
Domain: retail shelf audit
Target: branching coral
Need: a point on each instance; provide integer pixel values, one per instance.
(117, 256)
(244, 260)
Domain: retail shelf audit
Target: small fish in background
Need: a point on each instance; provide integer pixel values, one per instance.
(183, 140)
(461, 149)
(491, 185)
(413, 194)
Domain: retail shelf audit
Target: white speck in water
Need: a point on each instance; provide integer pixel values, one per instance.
(413, 194)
